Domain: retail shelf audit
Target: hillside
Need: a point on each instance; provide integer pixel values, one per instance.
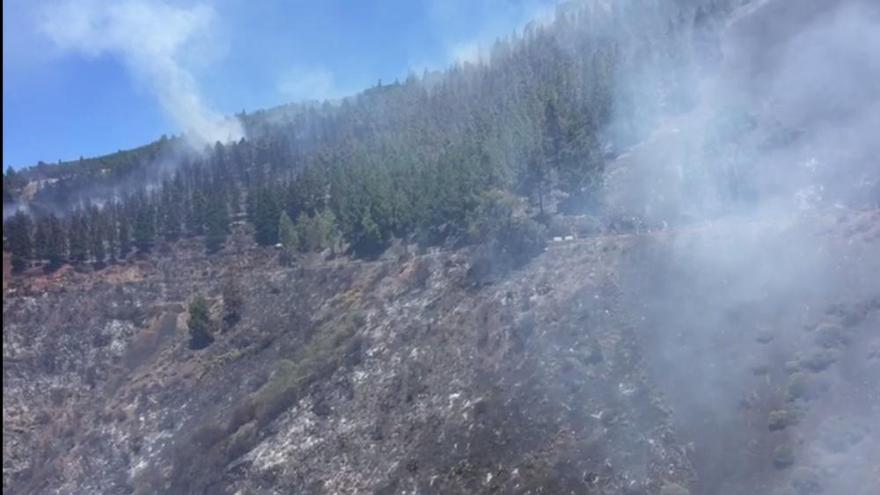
(390, 375)
(573, 374)
(636, 251)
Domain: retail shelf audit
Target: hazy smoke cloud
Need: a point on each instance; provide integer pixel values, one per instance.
(786, 116)
(811, 76)
(150, 37)
(771, 172)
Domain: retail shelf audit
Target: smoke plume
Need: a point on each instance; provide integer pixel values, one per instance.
(151, 38)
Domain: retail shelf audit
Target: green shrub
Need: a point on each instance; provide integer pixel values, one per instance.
(523, 239)
(801, 387)
(783, 457)
(208, 435)
(280, 393)
(325, 352)
(499, 222)
(244, 412)
(242, 441)
(495, 212)
(831, 336)
(819, 360)
(781, 419)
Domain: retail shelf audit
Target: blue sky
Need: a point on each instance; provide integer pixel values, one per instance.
(86, 77)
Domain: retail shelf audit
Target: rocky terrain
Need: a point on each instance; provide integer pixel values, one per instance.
(581, 372)
(396, 375)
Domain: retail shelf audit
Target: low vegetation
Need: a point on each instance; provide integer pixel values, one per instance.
(222, 440)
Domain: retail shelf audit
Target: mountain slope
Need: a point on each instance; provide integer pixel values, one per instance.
(392, 375)
(633, 253)
(574, 373)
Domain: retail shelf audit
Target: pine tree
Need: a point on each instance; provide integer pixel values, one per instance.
(19, 239)
(199, 323)
(97, 235)
(328, 231)
(289, 239)
(266, 212)
(144, 229)
(56, 247)
(49, 240)
(217, 223)
(370, 241)
(233, 302)
(306, 233)
(78, 235)
(542, 167)
(8, 194)
(41, 238)
(198, 214)
(111, 231)
(13, 180)
(171, 206)
(125, 217)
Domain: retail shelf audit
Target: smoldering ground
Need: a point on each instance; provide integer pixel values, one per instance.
(759, 313)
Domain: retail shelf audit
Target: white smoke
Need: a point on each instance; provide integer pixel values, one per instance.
(772, 176)
(150, 37)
